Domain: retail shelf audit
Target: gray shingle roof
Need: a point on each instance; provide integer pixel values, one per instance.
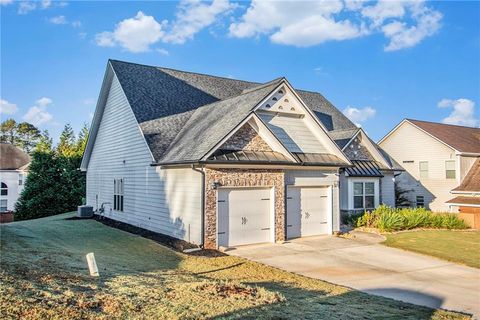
(164, 102)
(211, 123)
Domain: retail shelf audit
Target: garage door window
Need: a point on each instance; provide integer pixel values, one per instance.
(363, 195)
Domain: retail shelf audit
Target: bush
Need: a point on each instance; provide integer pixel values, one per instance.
(391, 221)
(388, 219)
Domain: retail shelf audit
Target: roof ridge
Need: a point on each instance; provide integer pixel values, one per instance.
(442, 124)
(185, 71)
(266, 84)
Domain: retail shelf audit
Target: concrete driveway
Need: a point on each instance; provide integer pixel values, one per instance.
(365, 265)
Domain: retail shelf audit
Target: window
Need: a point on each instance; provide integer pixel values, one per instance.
(423, 166)
(420, 201)
(363, 195)
(4, 190)
(450, 169)
(3, 205)
(118, 194)
(20, 179)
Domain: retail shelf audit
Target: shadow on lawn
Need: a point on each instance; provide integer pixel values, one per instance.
(301, 303)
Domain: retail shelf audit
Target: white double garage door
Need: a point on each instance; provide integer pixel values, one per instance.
(246, 215)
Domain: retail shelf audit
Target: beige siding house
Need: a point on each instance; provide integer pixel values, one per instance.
(436, 158)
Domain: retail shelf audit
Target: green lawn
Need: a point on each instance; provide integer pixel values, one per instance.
(457, 246)
(43, 275)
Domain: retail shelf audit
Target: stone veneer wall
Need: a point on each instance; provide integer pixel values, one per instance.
(246, 138)
(242, 178)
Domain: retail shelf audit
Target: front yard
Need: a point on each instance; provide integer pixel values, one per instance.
(456, 246)
(44, 275)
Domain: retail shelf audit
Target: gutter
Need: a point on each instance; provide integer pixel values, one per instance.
(301, 164)
(202, 216)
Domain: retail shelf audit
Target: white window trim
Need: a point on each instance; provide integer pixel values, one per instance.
(454, 169)
(376, 185)
(6, 205)
(121, 193)
(420, 171)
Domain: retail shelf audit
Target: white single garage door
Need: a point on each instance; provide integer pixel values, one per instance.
(307, 211)
(243, 216)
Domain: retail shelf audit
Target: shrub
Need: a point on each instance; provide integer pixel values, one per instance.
(416, 218)
(391, 221)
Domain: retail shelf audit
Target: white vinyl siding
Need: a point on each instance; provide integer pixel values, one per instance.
(294, 133)
(11, 178)
(387, 189)
(436, 188)
(167, 201)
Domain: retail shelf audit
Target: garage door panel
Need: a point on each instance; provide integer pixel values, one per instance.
(307, 211)
(244, 216)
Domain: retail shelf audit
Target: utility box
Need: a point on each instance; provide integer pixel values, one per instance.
(85, 212)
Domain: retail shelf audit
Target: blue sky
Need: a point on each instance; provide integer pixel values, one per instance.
(379, 62)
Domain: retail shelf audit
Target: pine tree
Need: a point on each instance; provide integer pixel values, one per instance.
(45, 143)
(27, 136)
(82, 140)
(66, 145)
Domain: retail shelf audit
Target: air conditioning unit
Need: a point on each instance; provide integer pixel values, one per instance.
(85, 212)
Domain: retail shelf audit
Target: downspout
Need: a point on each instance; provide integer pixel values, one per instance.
(202, 217)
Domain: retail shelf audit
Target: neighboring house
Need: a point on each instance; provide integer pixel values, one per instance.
(436, 158)
(13, 171)
(214, 161)
(370, 181)
(467, 197)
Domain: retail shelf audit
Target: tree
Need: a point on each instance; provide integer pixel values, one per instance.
(27, 136)
(45, 143)
(82, 140)
(8, 131)
(42, 194)
(55, 184)
(66, 144)
(24, 135)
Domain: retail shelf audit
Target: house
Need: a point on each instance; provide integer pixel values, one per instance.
(467, 197)
(370, 181)
(13, 170)
(436, 158)
(214, 161)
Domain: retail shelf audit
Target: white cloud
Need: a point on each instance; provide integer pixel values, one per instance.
(139, 33)
(5, 2)
(76, 24)
(359, 115)
(7, 107)
(162, 51)
(134, 34)
(308, 23)
(383, 10)
(82, 35)
(25, 7)
(58, 20)
(38, 114)
(46, 3)
(193, 16)
(402, 35)
(463, 112)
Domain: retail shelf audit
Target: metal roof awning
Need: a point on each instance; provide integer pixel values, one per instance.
(364, 168)
(246, 156)
(320, 159)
